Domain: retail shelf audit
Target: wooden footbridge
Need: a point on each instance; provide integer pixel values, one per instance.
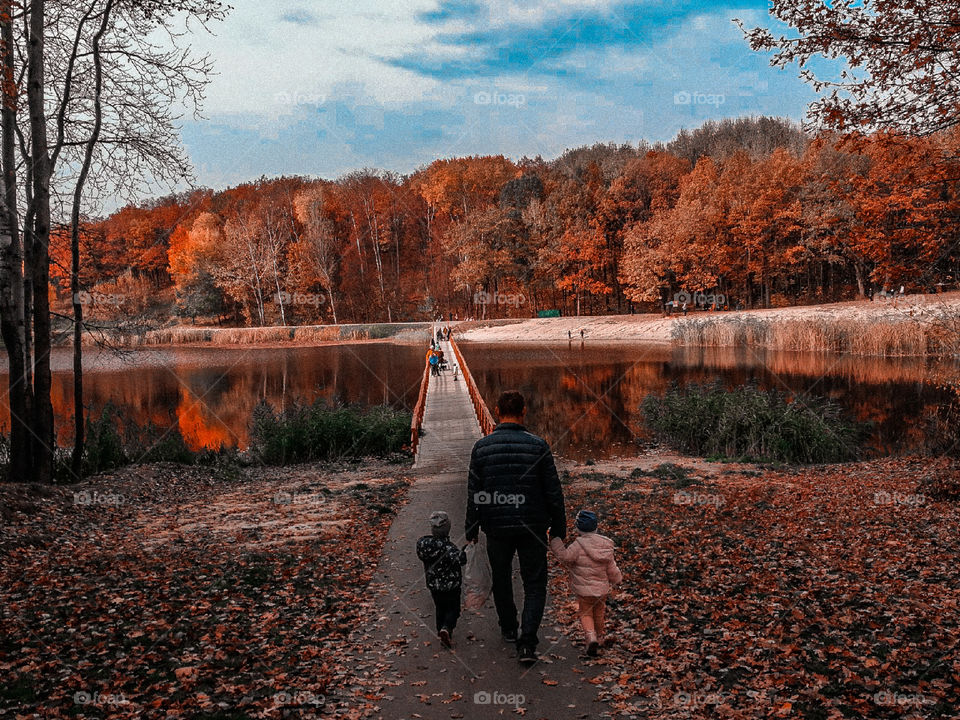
(449, 417)
(421, 678)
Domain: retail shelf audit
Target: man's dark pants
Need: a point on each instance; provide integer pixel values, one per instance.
(447, 603)
(531, 550)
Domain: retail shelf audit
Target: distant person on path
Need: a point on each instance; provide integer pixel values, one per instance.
(442, 562)
(593, 572)
(514, 496)
(434, 363)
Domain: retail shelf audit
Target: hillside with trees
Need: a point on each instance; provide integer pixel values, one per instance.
(751, 209)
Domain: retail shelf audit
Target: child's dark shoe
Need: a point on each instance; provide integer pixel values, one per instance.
(526, 655)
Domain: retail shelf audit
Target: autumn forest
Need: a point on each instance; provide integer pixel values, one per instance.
(753, 211)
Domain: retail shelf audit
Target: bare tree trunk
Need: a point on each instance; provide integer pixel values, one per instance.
(333, 307)
(42, 421)
(78, 412)
(11, 264)
(276, 281)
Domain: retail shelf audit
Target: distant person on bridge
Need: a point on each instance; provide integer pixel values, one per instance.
(514, 495)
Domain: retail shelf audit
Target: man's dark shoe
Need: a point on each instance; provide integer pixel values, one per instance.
(445, 637)
(526, 655)
(593, 648)
(509, 635)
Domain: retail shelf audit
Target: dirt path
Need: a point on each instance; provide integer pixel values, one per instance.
(480, 677)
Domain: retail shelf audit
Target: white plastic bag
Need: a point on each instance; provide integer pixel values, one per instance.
(477, 578)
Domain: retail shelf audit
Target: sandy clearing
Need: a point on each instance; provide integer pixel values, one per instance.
(653, 327)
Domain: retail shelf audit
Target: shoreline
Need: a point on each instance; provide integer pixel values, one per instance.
(654, 327)
(913, 325)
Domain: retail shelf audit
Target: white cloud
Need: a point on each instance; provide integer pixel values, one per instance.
(257, 54)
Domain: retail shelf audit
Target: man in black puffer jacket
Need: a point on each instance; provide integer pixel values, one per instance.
(514, 496)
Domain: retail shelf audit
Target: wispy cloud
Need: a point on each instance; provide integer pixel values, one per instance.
(394, 85)
(299, 16)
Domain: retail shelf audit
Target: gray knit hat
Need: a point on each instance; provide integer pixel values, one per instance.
(440, 523)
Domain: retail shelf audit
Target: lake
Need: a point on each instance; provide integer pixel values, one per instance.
(583, 398)
(210, 393)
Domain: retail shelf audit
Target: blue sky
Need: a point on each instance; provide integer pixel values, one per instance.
(322, 88)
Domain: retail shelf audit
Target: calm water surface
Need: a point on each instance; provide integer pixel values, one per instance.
(210, 393)
(583, 398)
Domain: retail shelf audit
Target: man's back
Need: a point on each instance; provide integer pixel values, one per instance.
(513, 484)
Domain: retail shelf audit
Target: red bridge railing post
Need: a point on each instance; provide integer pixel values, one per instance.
(417, 421)
(484, 416)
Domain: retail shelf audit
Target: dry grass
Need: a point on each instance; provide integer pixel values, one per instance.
(924, 332)
(300, 335)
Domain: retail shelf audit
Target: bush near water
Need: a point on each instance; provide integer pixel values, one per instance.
(301, 433)
(752, 424)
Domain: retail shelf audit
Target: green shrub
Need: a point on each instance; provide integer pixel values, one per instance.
(112, 440)
(942, 428)
(320, 432)
(154, 444)
(103, 446)
(751, 424)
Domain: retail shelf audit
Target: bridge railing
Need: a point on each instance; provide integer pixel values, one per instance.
(418, 409)
(484, 416)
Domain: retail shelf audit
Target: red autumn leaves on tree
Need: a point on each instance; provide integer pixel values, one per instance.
(750, 210)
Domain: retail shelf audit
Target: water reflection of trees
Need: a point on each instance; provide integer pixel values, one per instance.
(586, 401)
(211, 402)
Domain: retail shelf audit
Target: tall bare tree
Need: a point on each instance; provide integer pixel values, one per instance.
(102, 99)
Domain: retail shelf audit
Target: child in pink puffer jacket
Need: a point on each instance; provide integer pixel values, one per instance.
(593, 571)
